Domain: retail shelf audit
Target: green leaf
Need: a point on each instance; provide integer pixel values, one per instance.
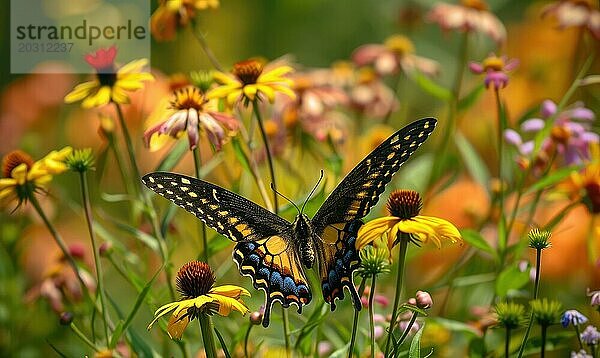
(415, 344)
(551, 179)
(140, 347)
(456, 326)
(431, 87)
(174, 157)
(340, 353)
(475, 165)
(146, 239)
(475, 239)
(138, 302)
(240, 154)
(511, 278)
(590, 80)
(217, 244)
(467, 101)
(315, 319)
(222, 342)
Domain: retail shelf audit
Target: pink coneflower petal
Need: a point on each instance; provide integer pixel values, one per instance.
(512, 137)
(548, 109)
(533, 125)
(192, 128)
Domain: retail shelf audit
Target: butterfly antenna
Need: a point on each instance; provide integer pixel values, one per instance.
(312, 191)
(285, 197)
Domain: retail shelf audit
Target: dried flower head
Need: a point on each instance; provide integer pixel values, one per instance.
(510, 315)
(545, 312)
(539, 239)
(373, 261)
(80, 160)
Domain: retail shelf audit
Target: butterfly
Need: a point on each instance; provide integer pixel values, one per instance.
(275, 253)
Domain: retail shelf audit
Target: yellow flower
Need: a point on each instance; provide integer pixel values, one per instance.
(404, 207)
(110, 84)
(171, 14)
(584, 185)
(22, 176)
(195, 283)
(248, 82)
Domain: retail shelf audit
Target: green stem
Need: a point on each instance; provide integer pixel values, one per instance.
(593, 349)
(202, 40)
(130, 149)
(452, 111)
(543, 344)
(361, 290)
(503, 237)
(85, 194)
(59, 241)
(197, 166)
(507, 343)
(120, 164)
(412, 321)
(404, 240)
(536, 289)
(246, 337)
(207, 336)
(152, 214)
(371, 321)
(268, 151)
(83, 338)
(578, 336)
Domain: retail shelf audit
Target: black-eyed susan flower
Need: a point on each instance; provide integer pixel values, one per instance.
(192, 112)
(404, 207)
(173, 14)
(496, 69)
(468, 16)
(250, 80)
(396, 53)
(111, 83)
(584, 185)
(195, 282)
(22, 177)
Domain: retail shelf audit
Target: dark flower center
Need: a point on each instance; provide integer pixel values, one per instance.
(248, 71)
(404, 204)
(13, 160)
(194, 279)
(593, 196)
(187, 98)
(107, 77)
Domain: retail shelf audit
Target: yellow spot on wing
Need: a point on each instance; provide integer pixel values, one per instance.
(192, 194)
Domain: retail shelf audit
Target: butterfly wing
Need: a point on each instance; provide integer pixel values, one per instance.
(274, 268)
(263, 251)
(338, 219)
(229, 214)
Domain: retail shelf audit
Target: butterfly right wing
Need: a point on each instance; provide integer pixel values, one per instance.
(229, 214)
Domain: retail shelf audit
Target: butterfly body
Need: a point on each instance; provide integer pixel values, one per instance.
(273, 252)
(304, 239)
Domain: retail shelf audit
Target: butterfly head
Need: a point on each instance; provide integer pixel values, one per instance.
(303, 233)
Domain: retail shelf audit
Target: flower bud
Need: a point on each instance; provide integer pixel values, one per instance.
(256, 318)
(105, 249)
(66, 318)
(423, 300)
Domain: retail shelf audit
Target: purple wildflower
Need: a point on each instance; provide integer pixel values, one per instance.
(573, 317)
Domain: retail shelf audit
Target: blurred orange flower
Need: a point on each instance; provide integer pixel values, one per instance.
(172, 14)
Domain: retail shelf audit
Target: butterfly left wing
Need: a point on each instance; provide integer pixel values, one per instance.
(274, 268)
(231, 215)
(338, 220)
(263, 251)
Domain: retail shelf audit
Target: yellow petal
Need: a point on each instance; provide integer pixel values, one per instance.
(225, 78)
(230, 291)
(161, 311)
(7, 183)
(227, 304)
(275, 74)
(223, 91)
(19, 173)
(268, 91)
(250, 91)
(178, 324)
(133, 66)
(100, 98)
(81, 91)
(233, 97)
